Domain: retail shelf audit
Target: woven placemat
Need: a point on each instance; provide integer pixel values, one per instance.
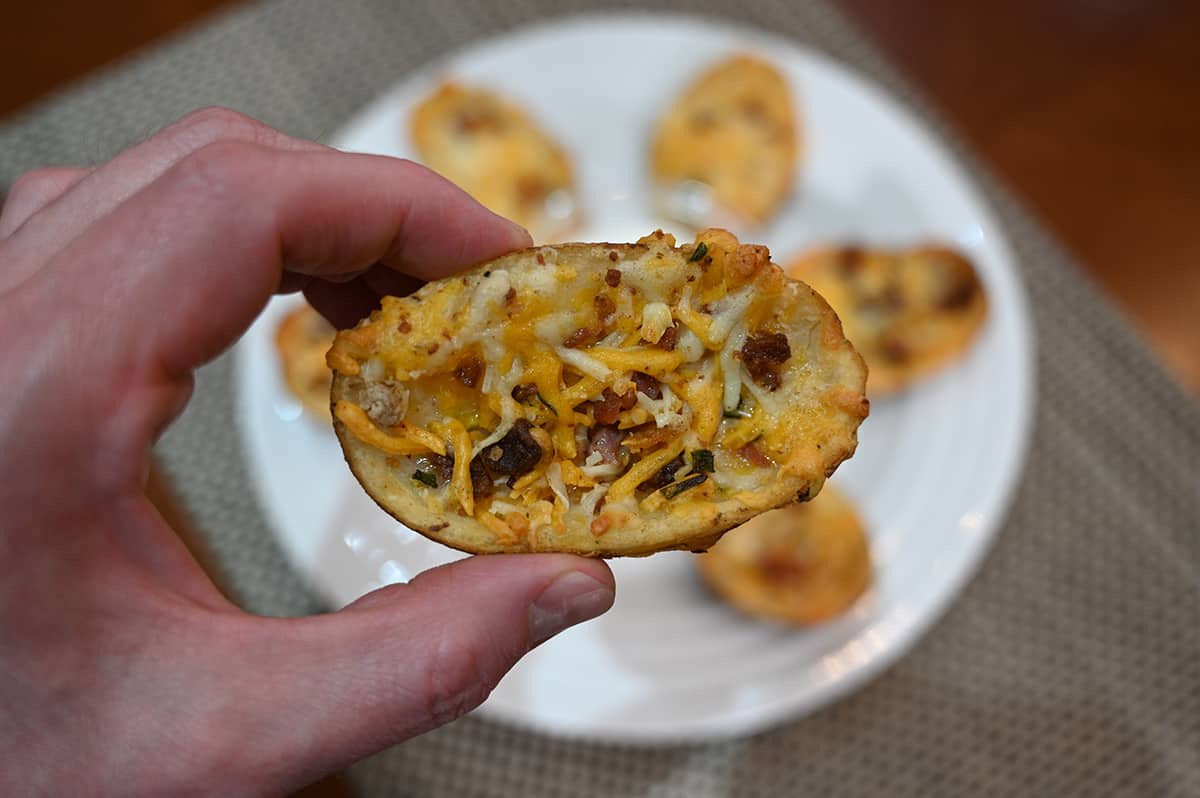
(1069, 667)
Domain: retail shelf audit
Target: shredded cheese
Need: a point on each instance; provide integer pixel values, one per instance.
(588, 363)
(642, 470)
(405, 440)
(656, 318)
(460, 481)
(494, 333)
(703, 394)
(657, 362)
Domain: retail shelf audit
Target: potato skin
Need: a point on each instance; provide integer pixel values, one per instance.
(691, 526)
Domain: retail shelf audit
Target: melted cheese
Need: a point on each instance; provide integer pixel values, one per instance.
(403, 439)
(519, 328)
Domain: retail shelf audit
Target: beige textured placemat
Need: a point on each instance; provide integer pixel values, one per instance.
(1069, 667)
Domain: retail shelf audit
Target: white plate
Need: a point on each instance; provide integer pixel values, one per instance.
(934, 470)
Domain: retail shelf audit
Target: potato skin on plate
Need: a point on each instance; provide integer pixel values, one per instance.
(600, 399)
(802, 564)
(733, 129)
(909, 312)
(497, 152)
(302, 339)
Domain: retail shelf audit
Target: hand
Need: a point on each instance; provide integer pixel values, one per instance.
(122, 668)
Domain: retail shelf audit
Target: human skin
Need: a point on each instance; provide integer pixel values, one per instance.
(123, 670)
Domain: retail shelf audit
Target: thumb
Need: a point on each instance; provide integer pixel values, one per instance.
(407, 658)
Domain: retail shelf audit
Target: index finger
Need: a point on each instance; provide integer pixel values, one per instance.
(175, 274)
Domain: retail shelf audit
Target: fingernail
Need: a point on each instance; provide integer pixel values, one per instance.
(572, 598)
(520, 235)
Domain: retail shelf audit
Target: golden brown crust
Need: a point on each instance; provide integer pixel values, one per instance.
(734, 130)
(909, 312)
(439, 372)
(496, 152)
(302, 339)
(802, 564)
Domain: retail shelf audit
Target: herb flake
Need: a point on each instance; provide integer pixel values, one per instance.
(699, 252)
(549, 406)
(676, 488)
(425, 478)
(702, 460)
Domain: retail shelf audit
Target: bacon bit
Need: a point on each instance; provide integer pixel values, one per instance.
(647, 385)
(481, 481)
(647, 435)
(511, 294)
(606, 440)
(849, 260)
(469, 370)
(432, 348)
(670, 338)
(959, 294)
(607, 409)
(763, 354)
(780, 566)
(750, 259)
(613, 256)
(541, 259)
(754, 456)
(404, 326)
(753, 107)
(604, 307)
(612, 277)
(515, 454)
(894, 350)
(473, 119)
(892, 297)
(584, 336)
(524, 392)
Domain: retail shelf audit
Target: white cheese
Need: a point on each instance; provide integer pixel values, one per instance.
(731, 368)
(584, 363)
(727, 313)
(554, 479)
(656, 318)
(592, 498)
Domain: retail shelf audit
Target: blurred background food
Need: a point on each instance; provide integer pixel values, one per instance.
(497, 152)
(1092, 123)
(908, 312)
(303, 338)
(801, 564)
(724, 153)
